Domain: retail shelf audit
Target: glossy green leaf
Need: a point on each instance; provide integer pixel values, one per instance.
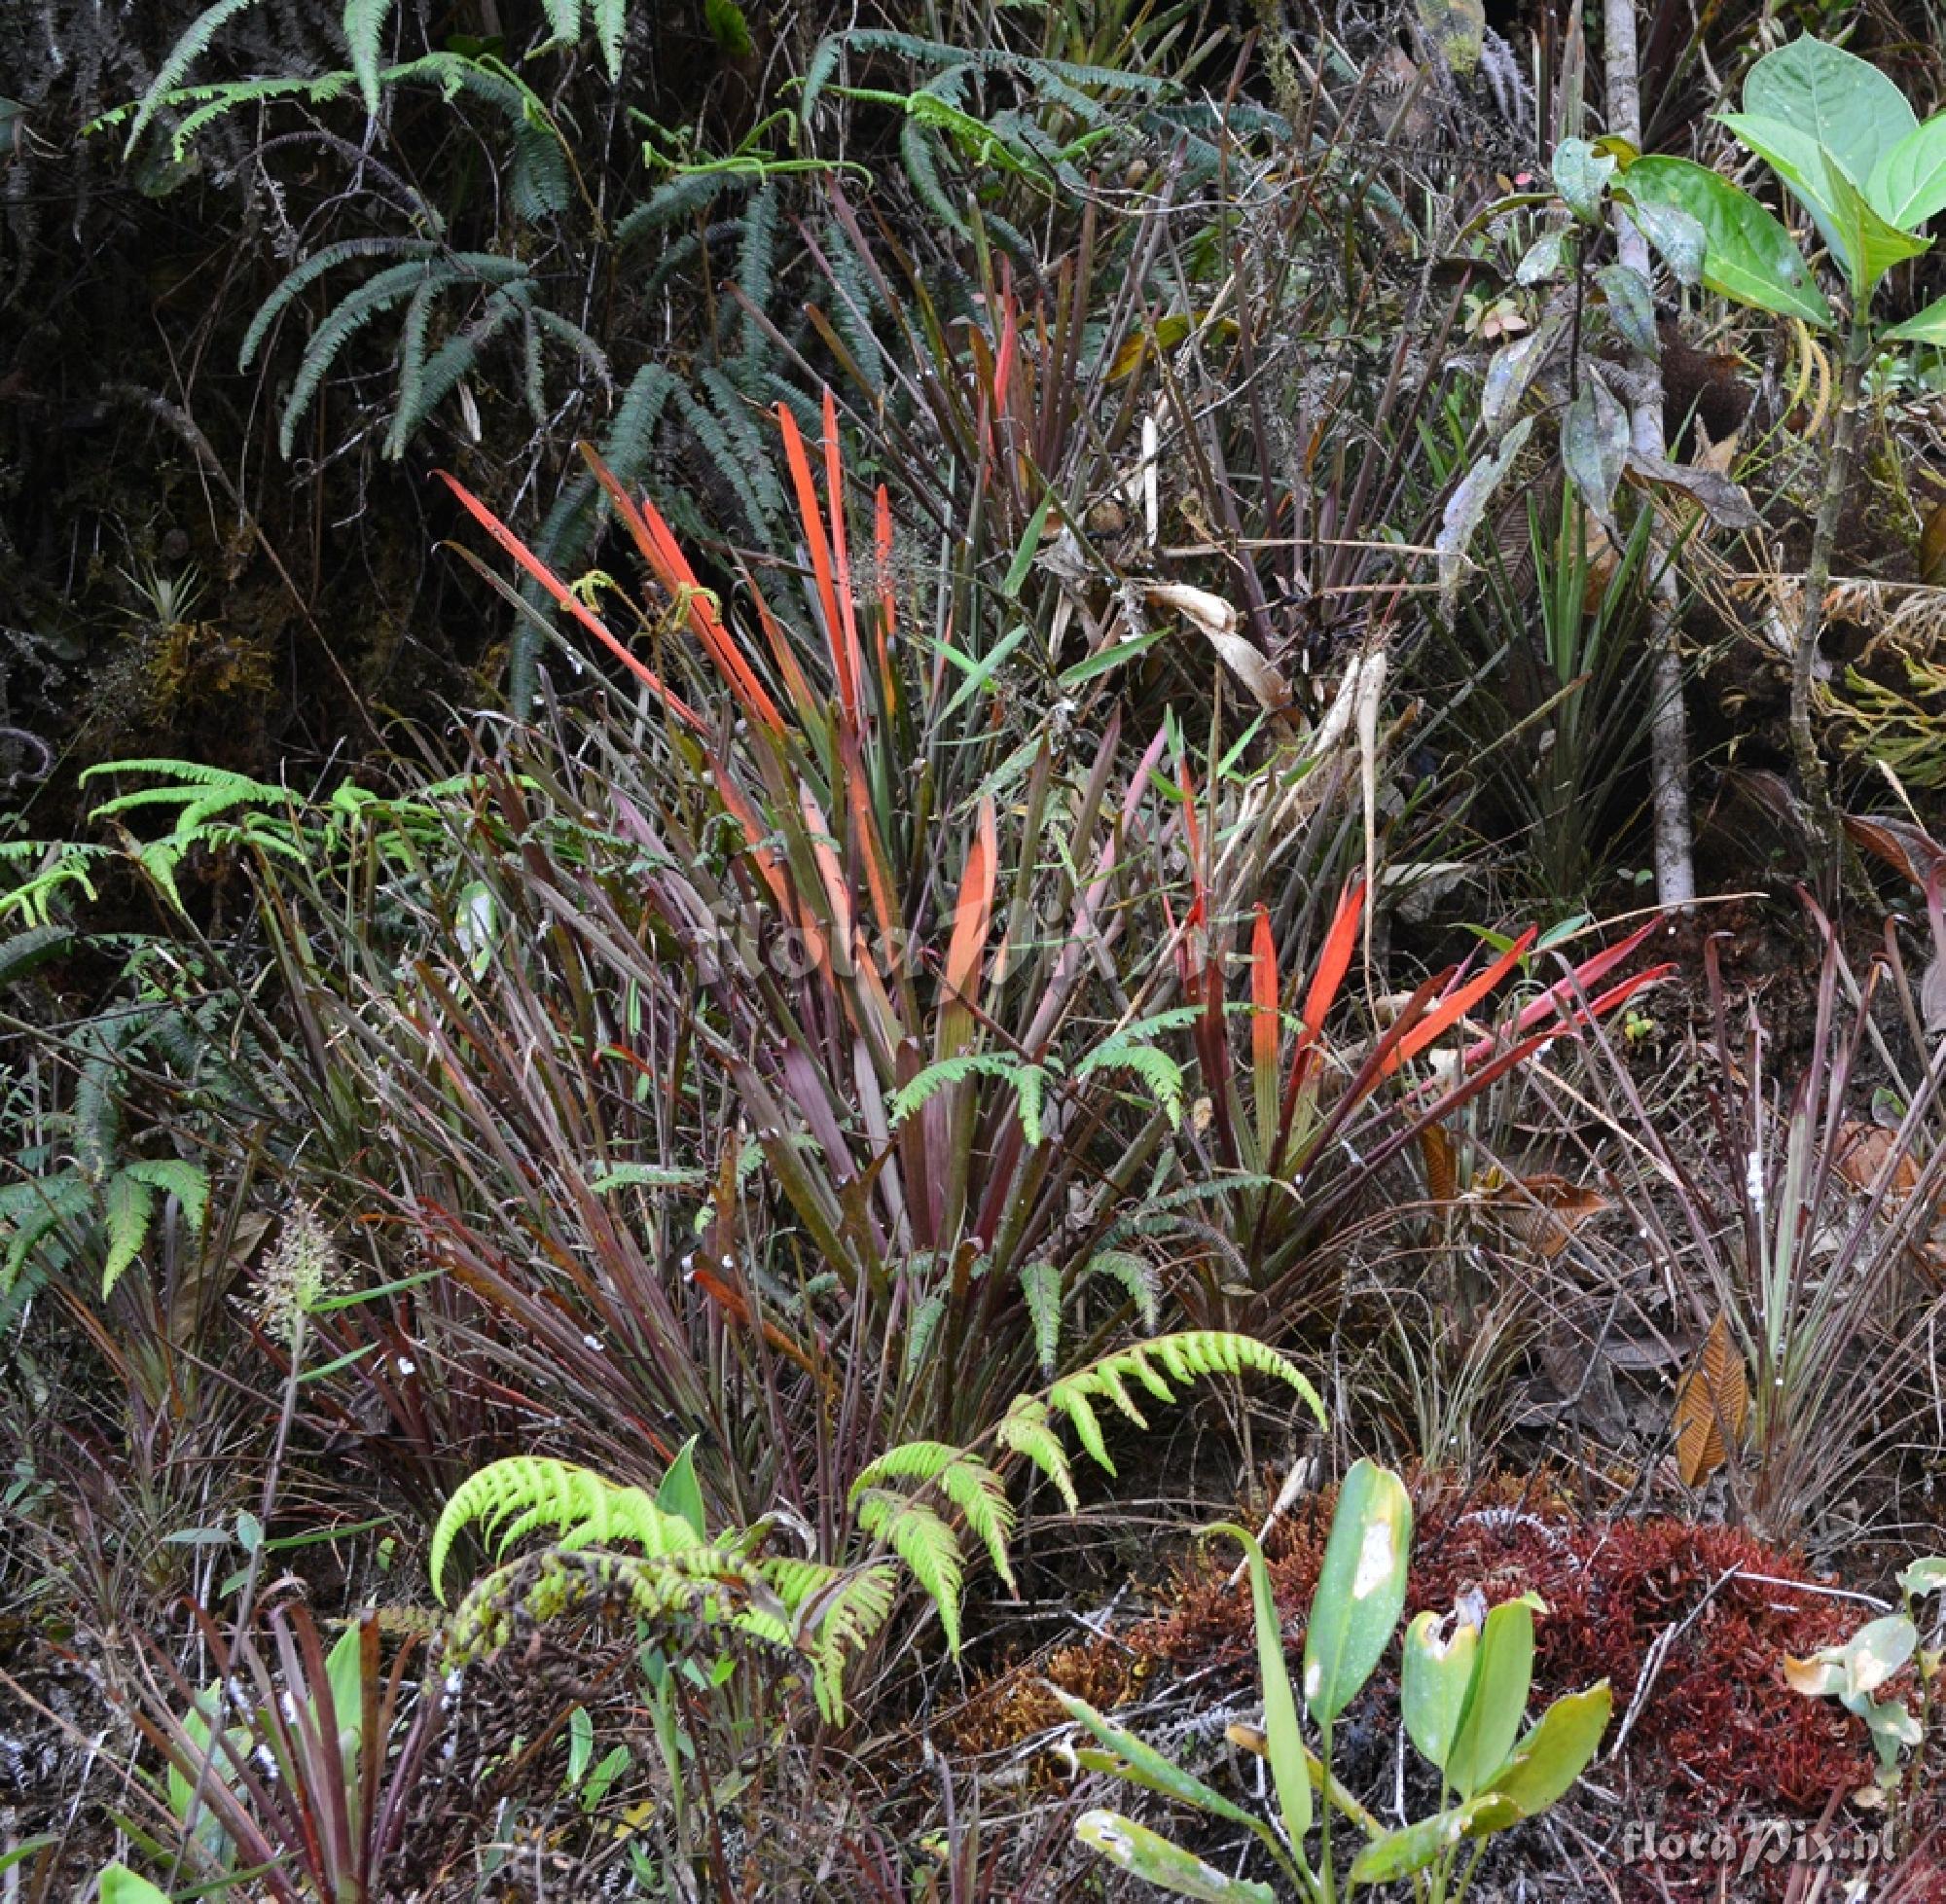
(1555, 1753)
(1927, 326)
(345, 1674)
(1861, 241)
(1842, 102)
(1436, 1673)
(1280, 1728)
(1145, 1854)
(1581, 175)
(1678, 236)
(1360, 1589)
(680, 1492)
(120, 1886)
(1497, 1701)
(1908, 184)
(1395, 1857)
(1749, 256)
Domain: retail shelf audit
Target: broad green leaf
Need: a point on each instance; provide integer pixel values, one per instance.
(1435, 1676)
(1144, 1854)
(1860, 1666)
(680, 1492)
(1927, 326)
(345, 1672)
(1398, 1854)
(1142, 1765)
(1492, 1720)
(1542, 259)
(1908, 184)
(1581, 175)
(1860, 240)
(1631, 306)
(1893, 1729)
(1678, 236)
(120, 1886)
(1749, 256)
(1280, 1728)
(1360, 1589)
(1926, 1576)
(1842, 102)
(1553, 1755)
(1594, 444)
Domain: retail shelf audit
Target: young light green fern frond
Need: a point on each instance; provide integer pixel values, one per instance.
(926, 1543)
(512, 1497)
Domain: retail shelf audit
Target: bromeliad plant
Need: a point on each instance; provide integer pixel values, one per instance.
(1850, 148)
(1463, 1696)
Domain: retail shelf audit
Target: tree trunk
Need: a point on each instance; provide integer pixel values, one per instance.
(1668, 731)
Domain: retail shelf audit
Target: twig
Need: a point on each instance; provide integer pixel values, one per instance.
(1659, 1652)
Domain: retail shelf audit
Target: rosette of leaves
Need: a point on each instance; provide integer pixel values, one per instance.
(1465, 1690)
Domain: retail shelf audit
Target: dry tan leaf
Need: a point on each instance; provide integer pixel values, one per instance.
(1542, 1213)
(1442, 1164)
(1711, 1403)
(1864, 1150)
(1216, 620)
(1932, 547)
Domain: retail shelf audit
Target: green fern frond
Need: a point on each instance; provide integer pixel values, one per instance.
(1029, 1083)
(514, 1496)
(1183, 1356)
(1136, 1277)
(925, 1543)
(302, 276)
(34, 1212)
(363, 28)
(183, 54)
(708, 1587)
(1155, 1067)
(835, 1614)
(966, 1481)
(1027, 1430)
(127, 1207)
(1040, 1284)
(188, 1183)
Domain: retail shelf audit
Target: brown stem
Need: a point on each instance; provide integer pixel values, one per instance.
(1827, 842)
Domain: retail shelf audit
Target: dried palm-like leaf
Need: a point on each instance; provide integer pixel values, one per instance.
(1712, 1406)
(1541, 1213)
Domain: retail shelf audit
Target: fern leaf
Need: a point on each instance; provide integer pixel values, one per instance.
(351, 313)
(946, 1071)
(927, 1546)
(183, 54)
(44, 1206)
(1040, 1284)
(611, 19)
(836, 1611)
(926, 1319)
(363, 28)
(754, 264)
(515, 1495)
(1136, 1277)
(188, 1183)
(1155, 1067)
(1026, 1430)
(300, 276)
(127, 1207)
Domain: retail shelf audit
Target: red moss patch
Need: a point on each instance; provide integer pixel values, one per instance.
(1718, 1733)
